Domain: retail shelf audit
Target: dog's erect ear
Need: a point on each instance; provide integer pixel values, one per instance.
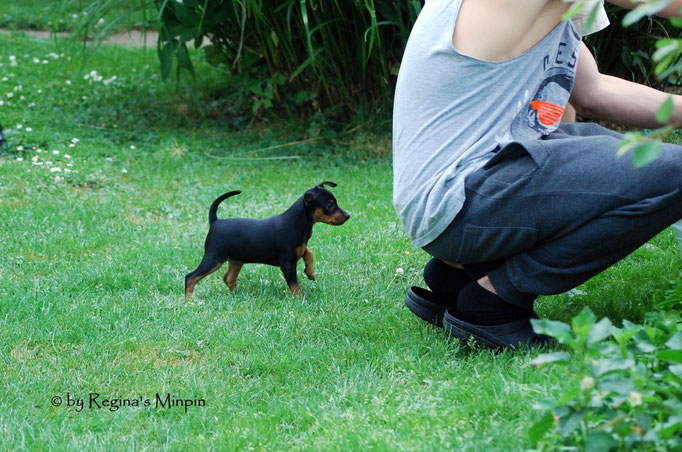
(327, 182)
(308, 197)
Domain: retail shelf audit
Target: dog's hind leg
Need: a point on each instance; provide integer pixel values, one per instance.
(232, 273)
(208, 265)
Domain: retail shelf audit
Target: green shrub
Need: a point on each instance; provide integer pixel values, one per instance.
(332, 54)
(627, 52)
(327, 57)
(630, 394)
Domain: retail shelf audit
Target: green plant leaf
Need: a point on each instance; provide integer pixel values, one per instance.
(643, 420)
(549, 358)
(600, 441)
(620, 386)
(538, 430)
(675, 342)
(604, 366)
(569, 422)
(167, 52)
(671, 356)
(573, 10)
(599, 331)
(664, 48)
(631, 140)
(646, 153)
(663, 114)
(582, 323)
(645, 9)
(672, 426)
(558, 330)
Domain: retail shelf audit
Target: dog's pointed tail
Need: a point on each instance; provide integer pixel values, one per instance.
(212, 212)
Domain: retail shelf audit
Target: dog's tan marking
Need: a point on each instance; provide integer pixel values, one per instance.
(308, 260)
(193, 282)
(232, 273)
(338, 218)
(300, 250)
(295, 289)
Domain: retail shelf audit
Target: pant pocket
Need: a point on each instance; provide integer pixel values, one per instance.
(516, 161)
(491, 243)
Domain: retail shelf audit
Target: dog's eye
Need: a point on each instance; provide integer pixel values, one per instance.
(330, 205)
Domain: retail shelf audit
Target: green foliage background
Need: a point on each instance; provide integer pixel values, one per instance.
(333, 57)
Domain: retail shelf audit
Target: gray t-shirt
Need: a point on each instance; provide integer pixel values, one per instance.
(451, 110)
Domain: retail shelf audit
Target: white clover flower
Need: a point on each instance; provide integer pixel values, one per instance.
(18, 88)
(587, 383)
(132, 146)
(19, 126)
(55, 170)
(100, 22)
(4, 79)
(66, 170)
(45, 61)
(399, 271)
(20, 148)
(109, 159)
(19, 159)
(124, 171)
(71, 145)
(635, 398)
(40, 91)
(12, 58)
(29, 129)
(2, 102)
(68, 82)
(55, 152)
(34, 158)
(75, 140)
(21, 98)
(67, 156)
(10, 94)
(36, 60)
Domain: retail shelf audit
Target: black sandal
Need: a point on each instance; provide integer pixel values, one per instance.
(427, 305)
(518, 333)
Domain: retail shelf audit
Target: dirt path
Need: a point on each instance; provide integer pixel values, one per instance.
(135, 38)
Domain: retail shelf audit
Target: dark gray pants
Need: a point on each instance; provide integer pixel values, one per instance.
(547, 215)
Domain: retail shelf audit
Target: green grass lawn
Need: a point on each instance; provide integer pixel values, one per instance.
(104, 192)
(63, 15)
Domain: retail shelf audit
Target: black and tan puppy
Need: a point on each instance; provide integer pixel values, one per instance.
(280, 240)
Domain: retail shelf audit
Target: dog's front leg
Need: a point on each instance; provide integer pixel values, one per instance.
(288, 268)
(308, 260)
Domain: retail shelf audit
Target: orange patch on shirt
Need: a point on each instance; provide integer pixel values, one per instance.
(548, 113)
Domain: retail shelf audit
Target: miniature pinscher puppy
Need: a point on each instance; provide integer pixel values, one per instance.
(280, 240)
